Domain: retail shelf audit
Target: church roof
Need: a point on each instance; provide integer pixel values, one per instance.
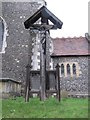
(75, 46)
(43, 12)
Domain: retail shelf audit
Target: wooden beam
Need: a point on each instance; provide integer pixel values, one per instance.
(43, 27)
(28, 69)
(58, 81)
(42, 73)
(27, 83)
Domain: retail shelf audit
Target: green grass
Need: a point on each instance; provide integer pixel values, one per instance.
(50, 108)
(0, 109)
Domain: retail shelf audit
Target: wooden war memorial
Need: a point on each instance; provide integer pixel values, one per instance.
(44, 29)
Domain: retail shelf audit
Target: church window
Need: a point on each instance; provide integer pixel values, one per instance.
(74, 69)
(3, 34)
(62, 69)
(68, 69)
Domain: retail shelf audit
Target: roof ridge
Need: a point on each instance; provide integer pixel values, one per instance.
(68, 37)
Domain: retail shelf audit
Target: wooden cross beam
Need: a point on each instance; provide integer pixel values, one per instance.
(41, 27)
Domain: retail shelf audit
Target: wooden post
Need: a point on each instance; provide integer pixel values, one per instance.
(47, 51)
(42, 72)
(28, 69)
(44, 64)
(27, 83)
(58, 81)
(47, 59)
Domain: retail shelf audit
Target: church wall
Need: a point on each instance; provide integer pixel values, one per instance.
(15, 58)
(74, 82)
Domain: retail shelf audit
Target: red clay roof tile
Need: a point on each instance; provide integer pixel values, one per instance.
(70, 46)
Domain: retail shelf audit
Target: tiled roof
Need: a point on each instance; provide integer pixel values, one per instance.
(70, 46)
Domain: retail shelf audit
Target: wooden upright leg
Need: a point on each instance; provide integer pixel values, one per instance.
(58, 81)
(42, 73)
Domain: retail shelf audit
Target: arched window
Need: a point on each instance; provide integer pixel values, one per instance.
(74, 68)
(62, 69)
(68, 69)
(3, 34)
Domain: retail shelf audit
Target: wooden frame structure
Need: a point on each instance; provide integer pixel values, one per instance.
(45, 16)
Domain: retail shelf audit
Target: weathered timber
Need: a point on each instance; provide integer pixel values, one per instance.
(58, 81)
(28, 69)
(42, 73)
(27, 83)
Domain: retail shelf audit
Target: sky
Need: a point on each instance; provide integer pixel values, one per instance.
(73, 14)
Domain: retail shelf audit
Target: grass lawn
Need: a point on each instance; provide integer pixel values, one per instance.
(50, 108)
(0, 109)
